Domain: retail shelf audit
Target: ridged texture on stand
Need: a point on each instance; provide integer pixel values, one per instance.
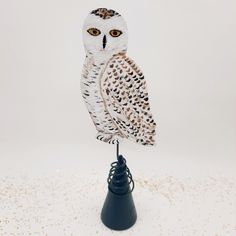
(119, 211)
(120, 178)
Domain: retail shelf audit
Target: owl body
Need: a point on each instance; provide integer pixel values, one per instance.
(112, 85)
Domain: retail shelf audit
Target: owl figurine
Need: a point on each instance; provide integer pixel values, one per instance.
(112, 85)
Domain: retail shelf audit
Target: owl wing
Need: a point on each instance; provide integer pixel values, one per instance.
(125, 95)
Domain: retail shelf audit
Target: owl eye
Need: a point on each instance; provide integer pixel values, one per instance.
(115, 33)
(94, 31)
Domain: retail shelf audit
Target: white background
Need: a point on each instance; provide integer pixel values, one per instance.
(187, 51)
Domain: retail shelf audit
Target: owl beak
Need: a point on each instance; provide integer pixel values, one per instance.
(104, 41)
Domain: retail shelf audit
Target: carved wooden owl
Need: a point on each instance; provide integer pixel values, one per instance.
(112, 85)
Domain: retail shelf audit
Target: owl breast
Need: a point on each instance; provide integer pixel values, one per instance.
(91, 92)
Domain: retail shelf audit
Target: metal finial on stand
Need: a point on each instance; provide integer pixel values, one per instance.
(119, 211)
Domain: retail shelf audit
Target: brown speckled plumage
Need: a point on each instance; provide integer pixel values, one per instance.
(105, 13)
(125, 94)
(122, 100)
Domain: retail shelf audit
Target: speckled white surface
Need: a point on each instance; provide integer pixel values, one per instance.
(59, 190)
(66, 203)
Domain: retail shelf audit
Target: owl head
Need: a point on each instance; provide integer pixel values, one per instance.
(104, 33)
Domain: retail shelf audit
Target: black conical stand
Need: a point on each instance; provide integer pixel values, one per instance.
(119, 211)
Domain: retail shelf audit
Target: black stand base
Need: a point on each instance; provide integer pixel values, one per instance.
(118, 212)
